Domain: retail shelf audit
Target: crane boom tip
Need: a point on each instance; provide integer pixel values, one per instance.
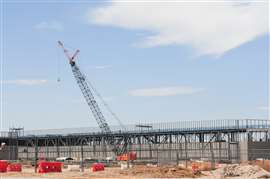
(60, 43)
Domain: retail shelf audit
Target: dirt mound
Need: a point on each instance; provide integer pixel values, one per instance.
(265, 164)
(246, 171)
(160, 172)
(202, 166)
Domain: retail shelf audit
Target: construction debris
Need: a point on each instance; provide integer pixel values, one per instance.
(265, 164)
(231, 171)
(244, 171)
(160, 172)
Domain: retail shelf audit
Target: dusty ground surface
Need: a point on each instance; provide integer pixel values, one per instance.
(146, 172)
(112, 173)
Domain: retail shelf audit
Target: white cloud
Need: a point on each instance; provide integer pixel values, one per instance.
(211, 28)
(166, 91)
(50, 25)
(25, 82)
(264, 108)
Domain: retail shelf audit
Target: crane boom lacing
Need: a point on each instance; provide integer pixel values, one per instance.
(81, 80)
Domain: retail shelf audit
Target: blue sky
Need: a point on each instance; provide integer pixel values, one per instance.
(151, 64)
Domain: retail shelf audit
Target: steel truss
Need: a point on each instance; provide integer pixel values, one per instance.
(161, 147)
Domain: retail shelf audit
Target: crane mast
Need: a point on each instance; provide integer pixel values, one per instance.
(86, 91)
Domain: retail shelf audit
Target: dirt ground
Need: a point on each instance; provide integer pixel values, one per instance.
(111, 172)
(146, 172)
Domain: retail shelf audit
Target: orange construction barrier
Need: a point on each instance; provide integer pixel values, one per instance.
(3, 166)
(97, 167)
(48, 167)
(195, 168)
(127, 156)
(202, 166)
(14, 167)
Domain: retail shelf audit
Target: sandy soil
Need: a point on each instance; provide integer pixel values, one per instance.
(111, 173)
(232, 172)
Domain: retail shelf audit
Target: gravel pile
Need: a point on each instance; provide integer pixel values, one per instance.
(246, 171)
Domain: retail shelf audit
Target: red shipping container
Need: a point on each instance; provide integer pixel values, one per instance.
(3, 166)
(14, 167)
(48, 167)
(97, 167)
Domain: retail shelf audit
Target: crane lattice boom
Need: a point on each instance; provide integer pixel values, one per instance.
(81, 80)
(88, 95)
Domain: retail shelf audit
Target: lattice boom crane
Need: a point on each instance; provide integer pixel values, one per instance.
(86, 87)
(86, 91)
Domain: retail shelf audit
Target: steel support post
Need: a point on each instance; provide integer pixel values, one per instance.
(36, 154)
(82, 157)
(186, 152)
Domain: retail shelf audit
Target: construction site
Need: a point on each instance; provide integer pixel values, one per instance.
(189, 149)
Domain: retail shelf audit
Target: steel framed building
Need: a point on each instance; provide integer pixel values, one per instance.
(217, 140)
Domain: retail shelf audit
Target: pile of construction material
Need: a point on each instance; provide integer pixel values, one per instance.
(160, 172)
(265, 164)
(244, 171)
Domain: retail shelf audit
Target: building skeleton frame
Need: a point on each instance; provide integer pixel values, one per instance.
(222, 141)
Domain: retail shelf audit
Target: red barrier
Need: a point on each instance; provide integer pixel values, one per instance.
(3, 166)
(14, 167)
(48, 167)
(97, 167)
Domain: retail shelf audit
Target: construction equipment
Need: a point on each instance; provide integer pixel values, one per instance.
(89, 97)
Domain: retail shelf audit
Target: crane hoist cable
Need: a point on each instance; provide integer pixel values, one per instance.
(58, 75)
